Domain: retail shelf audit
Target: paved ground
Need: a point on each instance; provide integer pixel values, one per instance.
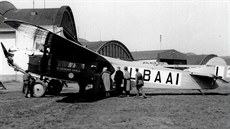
(163, 109)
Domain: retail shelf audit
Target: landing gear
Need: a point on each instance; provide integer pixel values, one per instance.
(39, 88)
(55, 87)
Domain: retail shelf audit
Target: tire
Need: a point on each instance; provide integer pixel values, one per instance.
(39, 88)
(55, 87)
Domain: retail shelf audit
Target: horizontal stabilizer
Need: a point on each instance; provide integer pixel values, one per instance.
(208, 75)
(202, 74)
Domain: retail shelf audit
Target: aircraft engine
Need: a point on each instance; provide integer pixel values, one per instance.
(21, 59)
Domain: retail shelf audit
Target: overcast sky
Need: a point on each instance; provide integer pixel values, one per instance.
(198, 26)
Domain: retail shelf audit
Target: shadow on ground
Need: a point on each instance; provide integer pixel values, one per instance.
(76, 98)
(209, 93)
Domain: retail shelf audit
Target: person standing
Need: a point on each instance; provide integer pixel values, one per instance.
(27, 79)
(82, 82)
(127, 81)
(118, 78)
(106, 78)
(139, 83)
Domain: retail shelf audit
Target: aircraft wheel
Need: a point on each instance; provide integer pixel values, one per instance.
(55, 87)
(39, 88)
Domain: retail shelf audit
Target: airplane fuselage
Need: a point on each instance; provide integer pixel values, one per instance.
(59, 56)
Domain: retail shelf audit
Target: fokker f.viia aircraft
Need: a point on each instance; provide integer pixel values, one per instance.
(57, 59)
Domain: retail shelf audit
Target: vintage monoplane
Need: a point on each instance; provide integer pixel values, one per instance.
(57, 59)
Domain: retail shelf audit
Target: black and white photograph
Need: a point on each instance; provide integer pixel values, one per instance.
(115, 64)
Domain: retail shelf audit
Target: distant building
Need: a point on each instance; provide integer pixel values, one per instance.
(227, 59)
(58, 20)
(82, 40)
(49, 18)
(111, 48)
(199, 59)
(169, 56)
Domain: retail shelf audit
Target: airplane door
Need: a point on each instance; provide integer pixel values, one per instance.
(44, 61)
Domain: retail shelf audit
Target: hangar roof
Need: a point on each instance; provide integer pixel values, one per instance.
(95, 46)
(199, 59)
(102, 46)
(61, 17)
(227, 59)
(82, 40)
(159, 54)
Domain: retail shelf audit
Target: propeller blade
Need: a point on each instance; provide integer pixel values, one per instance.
(8, 55)
(4, 50)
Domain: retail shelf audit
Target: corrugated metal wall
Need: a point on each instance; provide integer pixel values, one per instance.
(115, 50)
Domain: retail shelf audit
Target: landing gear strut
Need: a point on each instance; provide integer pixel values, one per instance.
(201, 92)
(40, 87)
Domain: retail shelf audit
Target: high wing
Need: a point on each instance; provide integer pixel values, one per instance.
(58, 55)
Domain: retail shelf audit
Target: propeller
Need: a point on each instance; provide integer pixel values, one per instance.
(10, 61)
(4, 51)
(7, 54)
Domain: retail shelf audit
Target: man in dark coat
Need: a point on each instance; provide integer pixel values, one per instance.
(118, 78)
(139, 83)
(27, 80)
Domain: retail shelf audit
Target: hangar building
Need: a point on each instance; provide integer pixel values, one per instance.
(169, 56)
(111, 48)
(58, 20)
(49, 18)
(199, 59)
(227, 59)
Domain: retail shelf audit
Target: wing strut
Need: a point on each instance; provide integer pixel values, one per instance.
(201, 92)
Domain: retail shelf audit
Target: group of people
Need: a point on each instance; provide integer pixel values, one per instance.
(122, 82)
